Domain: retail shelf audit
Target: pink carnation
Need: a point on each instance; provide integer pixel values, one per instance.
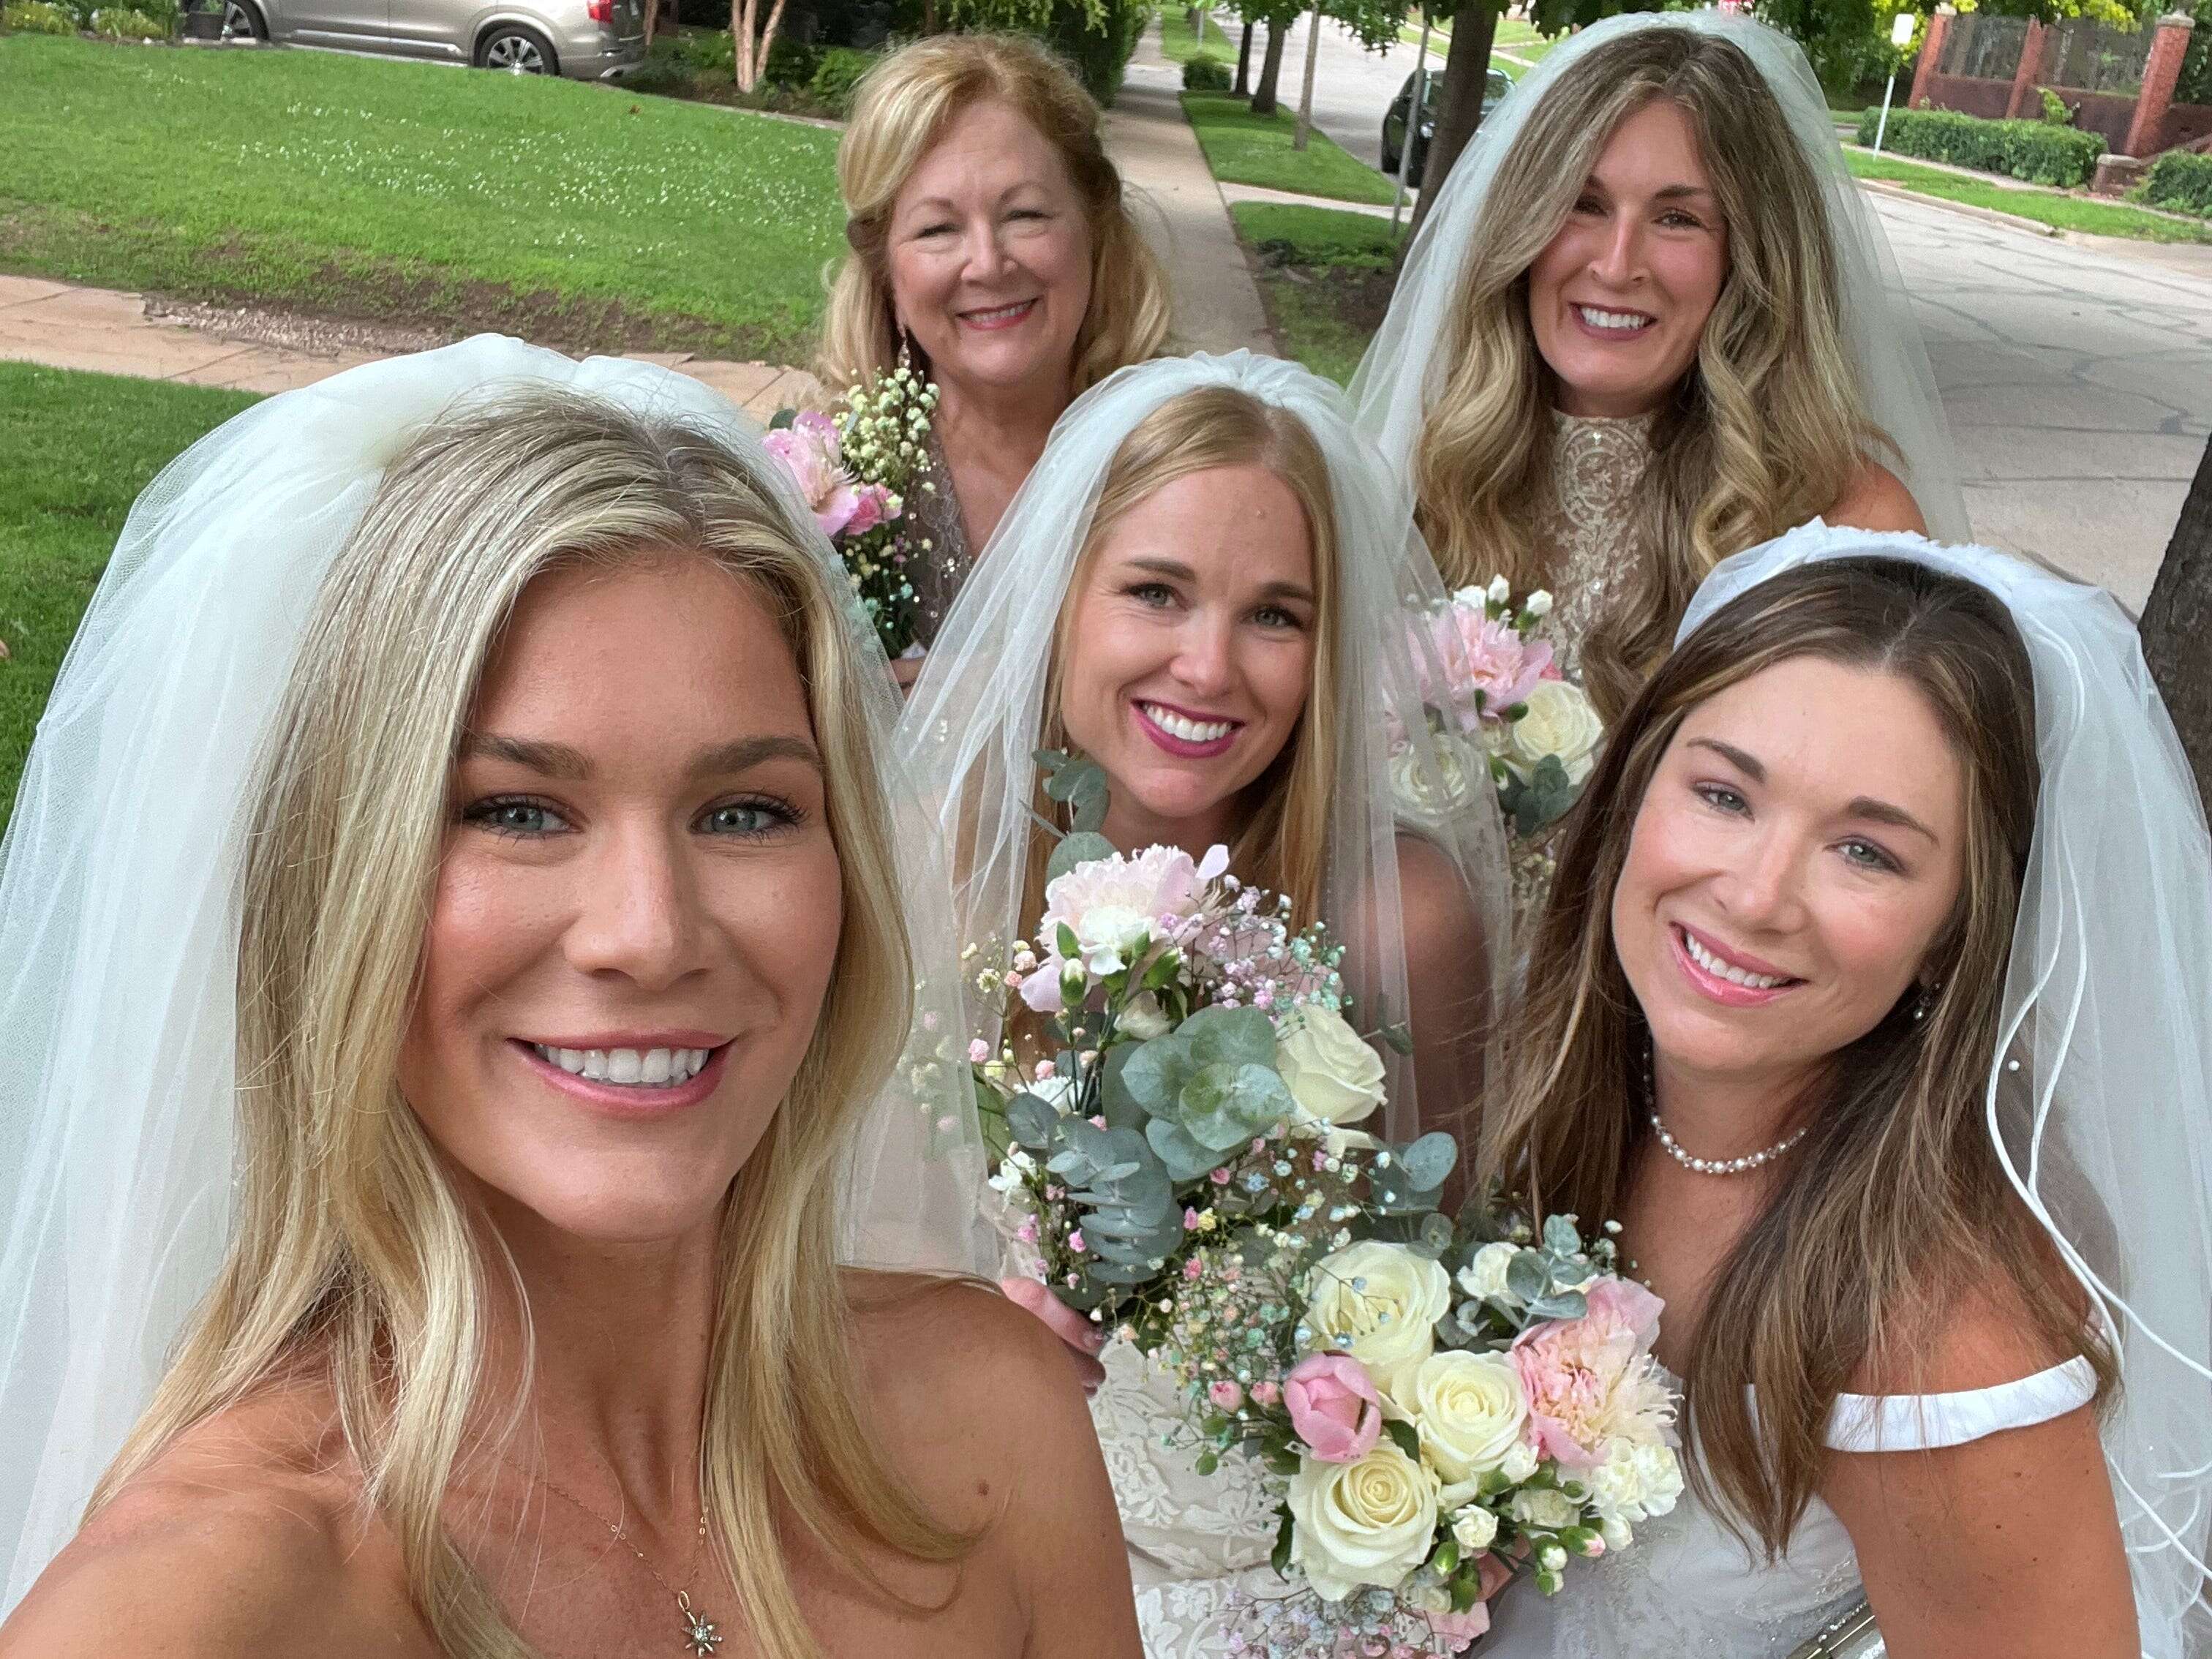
(1459, 1630)
(1591, 1381)
(809, 451)
(1500, 663)
(1334, 1406)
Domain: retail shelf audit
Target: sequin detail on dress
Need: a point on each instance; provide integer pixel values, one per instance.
(939, 570)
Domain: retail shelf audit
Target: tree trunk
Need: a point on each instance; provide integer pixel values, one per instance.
(1244, 62)
(1467, 70)
(1271, 70)
(2177, 626)
(1305, 98)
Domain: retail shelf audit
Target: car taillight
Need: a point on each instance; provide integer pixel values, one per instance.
(600, 11)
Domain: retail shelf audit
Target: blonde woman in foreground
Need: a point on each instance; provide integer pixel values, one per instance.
(994, 248)
(1650, 322)
(457, 955)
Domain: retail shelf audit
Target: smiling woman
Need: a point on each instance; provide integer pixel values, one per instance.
(477, 761)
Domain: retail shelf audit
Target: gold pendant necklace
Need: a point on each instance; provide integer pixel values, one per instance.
(700, 1636)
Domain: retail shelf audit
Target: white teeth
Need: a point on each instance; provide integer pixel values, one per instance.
(1621, 319)
(1188, 729)
(1728, 970)
(649, 1069)
(1000, 314)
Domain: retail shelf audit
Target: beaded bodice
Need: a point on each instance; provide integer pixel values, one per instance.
(940, 567)
(1584, 531)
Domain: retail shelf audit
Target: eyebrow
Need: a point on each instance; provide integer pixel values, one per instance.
(1181, 572)
(1862, 807)
(946, 204)
(558, 760)
(1666, 194)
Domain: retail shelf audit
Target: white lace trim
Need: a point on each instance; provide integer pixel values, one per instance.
(1923, 1422)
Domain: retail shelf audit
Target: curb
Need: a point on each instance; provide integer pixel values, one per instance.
(1988, 216)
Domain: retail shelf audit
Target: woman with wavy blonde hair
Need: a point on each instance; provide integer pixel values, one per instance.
(459, 937)
(993, 247)
(1650, 323)
(1206, 588)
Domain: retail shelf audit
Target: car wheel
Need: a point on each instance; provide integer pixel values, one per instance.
(517, 50)
(241, 21)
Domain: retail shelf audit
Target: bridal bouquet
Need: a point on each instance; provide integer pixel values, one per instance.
(1435, 1408)
(1508, 710)
(857, 469)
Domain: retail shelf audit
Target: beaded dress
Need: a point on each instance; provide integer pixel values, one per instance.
(941, 560)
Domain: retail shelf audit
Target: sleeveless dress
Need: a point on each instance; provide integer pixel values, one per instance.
(1688, 1589)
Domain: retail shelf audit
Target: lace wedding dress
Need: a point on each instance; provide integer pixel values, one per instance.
(1688, 1589)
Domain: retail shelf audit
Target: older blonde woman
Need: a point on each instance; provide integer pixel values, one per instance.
(1651, 322)
(993, 247)
(463, 800)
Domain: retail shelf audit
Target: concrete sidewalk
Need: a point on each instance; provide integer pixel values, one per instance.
(1217, 303)
(63, 326)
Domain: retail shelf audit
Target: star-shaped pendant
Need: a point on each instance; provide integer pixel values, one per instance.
(700, 1634)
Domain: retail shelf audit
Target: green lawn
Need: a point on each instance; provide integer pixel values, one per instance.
(2049, 207)
(75, 451)
(1244, 148)
(1325, 276)
(577, 214)
(1179, 45)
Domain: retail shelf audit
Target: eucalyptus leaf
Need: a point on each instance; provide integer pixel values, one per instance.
(1185, 1158)
(1230, 1036)
(1224, 1105)
(1567, 1305)
(1117, 1272)
(1115, 1103)
(1560, 1236)
(1527, 1278)
(1031, 1120)
(1155, 1073)
(1077, 847)
(1428, 1163)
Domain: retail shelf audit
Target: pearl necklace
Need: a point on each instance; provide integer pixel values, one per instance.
(1711, 1166)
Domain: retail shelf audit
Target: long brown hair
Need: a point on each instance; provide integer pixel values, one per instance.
(1767, 430)
(900, 110)
(1897, 1193)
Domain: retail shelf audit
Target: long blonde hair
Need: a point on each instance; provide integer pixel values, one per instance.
(1283, 843)
(1896, 1196)
(900, 110)
(1767, 430)
(354, 1258)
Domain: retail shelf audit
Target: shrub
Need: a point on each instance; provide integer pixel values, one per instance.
(837, 74)
(2055, 113)
(1204, 74)
(2040, 154)
(126, 23)
(1098, 40)
(2180, 183)
(703, 51)
(37, 17)
(790, 62)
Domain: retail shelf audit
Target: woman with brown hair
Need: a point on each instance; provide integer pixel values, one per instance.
(1649, 323)
(1875, 1002)
(993, 249)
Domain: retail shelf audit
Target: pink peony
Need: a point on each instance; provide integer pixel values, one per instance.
(1500, 663)
(1334, 1406)
(1592, 1380)
(808, 450)
(1112, 906)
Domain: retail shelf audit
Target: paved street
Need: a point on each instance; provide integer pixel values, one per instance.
(1352, 87)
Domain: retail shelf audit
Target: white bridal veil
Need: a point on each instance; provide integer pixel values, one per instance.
(976, 717)
(2100, 1095)
(1403, 369)
(119, 911)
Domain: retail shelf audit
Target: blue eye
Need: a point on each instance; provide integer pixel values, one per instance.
(1867, 856)
(750, 820)
(1153, 594)
(513, 816)
(1720, 798)
(1273, 616)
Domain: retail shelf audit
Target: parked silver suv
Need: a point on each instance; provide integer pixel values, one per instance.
(583, 39)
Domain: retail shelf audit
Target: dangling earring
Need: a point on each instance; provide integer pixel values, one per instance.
(906, 348)
(1926, 1003)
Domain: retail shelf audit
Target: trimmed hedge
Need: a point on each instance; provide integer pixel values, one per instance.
(2180, 183)
(127, 23)
(2040, 154)
(1206, 74)
(1097, 40)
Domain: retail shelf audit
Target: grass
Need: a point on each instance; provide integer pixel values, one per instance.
(75, 451)
(370, 188)
(2050, 207)
(1244, 148)
(1325, 278)
(1179, 45)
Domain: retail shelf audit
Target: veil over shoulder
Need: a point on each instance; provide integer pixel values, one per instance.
(119, 916)
(977, 716)
(1402, 371)
(2098, 1098)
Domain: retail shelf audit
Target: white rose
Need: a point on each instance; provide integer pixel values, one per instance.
(1143, 1019)
(1521, 1463)
(1431, 794)
(1335, 1077)
(1368, 1522)
(1469, 1408)
(1485, 1275)
(1560, 721)
(1386, 1299)
(1475, 1528)
(1543, 1507)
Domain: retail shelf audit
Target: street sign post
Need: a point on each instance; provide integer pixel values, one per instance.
(1900, 36)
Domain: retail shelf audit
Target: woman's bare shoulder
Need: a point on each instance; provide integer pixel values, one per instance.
(243, 1536)
(1877, 499)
